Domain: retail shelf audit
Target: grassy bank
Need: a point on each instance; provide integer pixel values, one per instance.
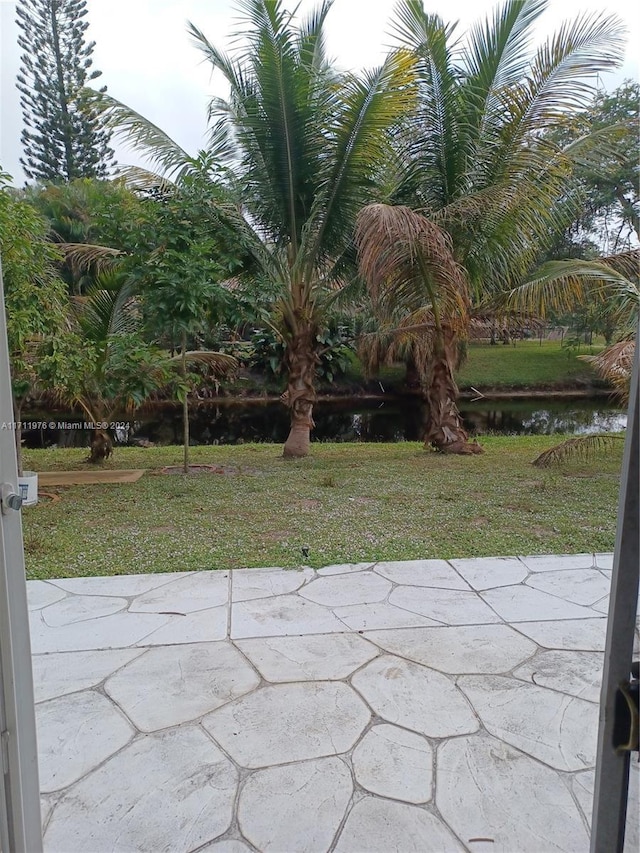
(347, 502)
(526, 365)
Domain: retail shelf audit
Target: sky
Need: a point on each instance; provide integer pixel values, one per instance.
(147, 61)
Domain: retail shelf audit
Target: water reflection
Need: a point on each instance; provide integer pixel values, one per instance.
(345, 421)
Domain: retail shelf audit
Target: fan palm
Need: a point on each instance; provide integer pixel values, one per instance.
(472, 164)
(302, 144)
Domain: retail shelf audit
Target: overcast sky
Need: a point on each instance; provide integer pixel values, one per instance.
(147, 62)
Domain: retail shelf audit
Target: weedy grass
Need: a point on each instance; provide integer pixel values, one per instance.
(347, 502)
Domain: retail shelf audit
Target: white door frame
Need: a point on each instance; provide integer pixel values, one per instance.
(20, 826)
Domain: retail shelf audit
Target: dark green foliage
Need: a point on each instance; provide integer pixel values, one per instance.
(184, 254)
(267, 353)
(608, 216)
(64, 136)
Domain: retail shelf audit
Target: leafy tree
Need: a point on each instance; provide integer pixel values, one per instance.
(180, 277)
(102, 363)
(34, 295)
(64, 136)
(609, 215)
(476, 190)
(84, 215)
(307, 144)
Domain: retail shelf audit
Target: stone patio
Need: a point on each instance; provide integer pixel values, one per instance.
(362, 708)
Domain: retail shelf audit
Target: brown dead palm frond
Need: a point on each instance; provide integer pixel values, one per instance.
(407, 260)
(219, 363)
(615, 364)
(82, 257)
(411, 341)
(583, 447)
(626, 263)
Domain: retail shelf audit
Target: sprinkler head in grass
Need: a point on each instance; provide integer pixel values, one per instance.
(305, 551)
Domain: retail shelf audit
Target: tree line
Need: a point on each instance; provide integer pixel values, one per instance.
(469, 176)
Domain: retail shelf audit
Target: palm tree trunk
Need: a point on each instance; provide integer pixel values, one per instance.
(185, 406)
(300, 395)
(444, 430)
(101, 447)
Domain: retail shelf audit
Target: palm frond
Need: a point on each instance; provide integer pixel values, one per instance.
(82, 257)
(561, 285)
(310, 38)
(407, 260)
(370, 105)
(219, 363)
(615, 364)
(147, 138)
(109, 308)
(584, 447)
(142, 180)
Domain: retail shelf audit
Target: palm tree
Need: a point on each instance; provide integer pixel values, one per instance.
(612, 283)
(302, 144)
(474, 172)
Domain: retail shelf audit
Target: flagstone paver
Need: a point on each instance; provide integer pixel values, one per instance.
(576, 673)
(344, 568)
(203, 626)
(432, 573)
(80, 608)
(363, 707)
(524, 604)
(450, 607)
(363, 617)
(394, 763)
(68, 672)
(325, 656)
(41, 593)
(75, 734)
(487, 789)
(308, 801)
(118, 585)
(379, 826)
(580, 586)
(556, 562)
(199, 591)
(167, 792)
(547, 725)
(415, 697)
(586, 635)
(263, 583)
(170, 685)
(488, 572)
(281, 615)
(289, 722)
(343, 590)
(460, 649)
(117, 631)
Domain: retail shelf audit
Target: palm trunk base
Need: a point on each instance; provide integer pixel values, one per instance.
(300, 395)
(101, 448)
(298, 442)
(444, 430)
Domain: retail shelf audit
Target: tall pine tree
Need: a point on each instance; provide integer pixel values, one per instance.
(64, 135)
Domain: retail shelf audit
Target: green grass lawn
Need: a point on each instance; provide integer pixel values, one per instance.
(528, 364)
(347, 502)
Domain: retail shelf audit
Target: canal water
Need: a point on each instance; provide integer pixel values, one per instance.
(349, 420)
